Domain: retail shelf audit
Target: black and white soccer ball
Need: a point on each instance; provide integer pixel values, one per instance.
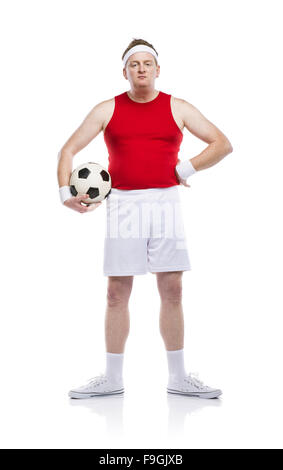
(92, 179)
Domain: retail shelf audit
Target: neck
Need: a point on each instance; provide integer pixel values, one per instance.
(142, 95)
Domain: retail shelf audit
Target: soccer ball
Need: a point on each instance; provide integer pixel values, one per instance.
(92, 179)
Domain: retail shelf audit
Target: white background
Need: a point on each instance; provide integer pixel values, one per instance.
(60, 58)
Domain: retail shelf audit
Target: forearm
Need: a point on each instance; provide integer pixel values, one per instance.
(212, 154)
(64, 170)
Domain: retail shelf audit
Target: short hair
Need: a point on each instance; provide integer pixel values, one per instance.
(136, 42)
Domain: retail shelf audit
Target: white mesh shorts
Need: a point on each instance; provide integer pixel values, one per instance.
(144, 232)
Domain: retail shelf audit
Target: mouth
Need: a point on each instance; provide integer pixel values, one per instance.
(142, 76)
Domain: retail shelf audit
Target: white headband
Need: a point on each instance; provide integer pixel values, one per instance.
(139, 48)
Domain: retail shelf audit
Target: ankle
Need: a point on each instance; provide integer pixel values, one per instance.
(114, 366)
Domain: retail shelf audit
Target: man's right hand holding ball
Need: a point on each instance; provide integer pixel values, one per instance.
(75, 202)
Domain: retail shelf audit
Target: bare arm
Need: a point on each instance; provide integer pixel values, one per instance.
(219, 146)
(86, 132)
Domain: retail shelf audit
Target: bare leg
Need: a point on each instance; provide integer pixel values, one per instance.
(117, 319)
(171, 321)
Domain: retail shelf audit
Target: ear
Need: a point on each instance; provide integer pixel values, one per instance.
(125, 73)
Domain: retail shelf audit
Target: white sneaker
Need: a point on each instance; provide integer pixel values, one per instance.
(99, 385)
(192, 387)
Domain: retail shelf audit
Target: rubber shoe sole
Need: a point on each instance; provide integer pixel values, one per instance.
(214, 394)
(73, 394)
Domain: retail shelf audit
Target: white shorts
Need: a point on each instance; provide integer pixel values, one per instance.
(144, 232)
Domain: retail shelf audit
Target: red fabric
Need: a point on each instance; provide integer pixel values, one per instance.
(143, 142)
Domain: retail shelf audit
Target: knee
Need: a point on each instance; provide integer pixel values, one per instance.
(118, 292)
(172, 293)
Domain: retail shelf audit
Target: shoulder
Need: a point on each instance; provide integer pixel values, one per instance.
(181, 103)
(105, 106)
(185, 109)
(102, 110)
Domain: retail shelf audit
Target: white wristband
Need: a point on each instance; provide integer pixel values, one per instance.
(65, 193)
(185, 169)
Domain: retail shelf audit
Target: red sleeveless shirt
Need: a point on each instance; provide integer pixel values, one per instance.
(143, 141)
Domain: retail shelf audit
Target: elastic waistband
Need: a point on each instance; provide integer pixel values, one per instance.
(143, 191)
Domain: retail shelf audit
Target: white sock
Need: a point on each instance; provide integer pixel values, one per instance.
(176, 366)
(114, 366)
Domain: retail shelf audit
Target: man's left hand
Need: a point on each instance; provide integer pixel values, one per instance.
(183, 182)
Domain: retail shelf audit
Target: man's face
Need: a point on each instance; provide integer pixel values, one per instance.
(141, 70)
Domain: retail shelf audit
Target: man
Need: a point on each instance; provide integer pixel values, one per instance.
(143, 130)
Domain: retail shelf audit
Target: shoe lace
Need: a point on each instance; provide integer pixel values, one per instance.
(98, 379)
(192, 378)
